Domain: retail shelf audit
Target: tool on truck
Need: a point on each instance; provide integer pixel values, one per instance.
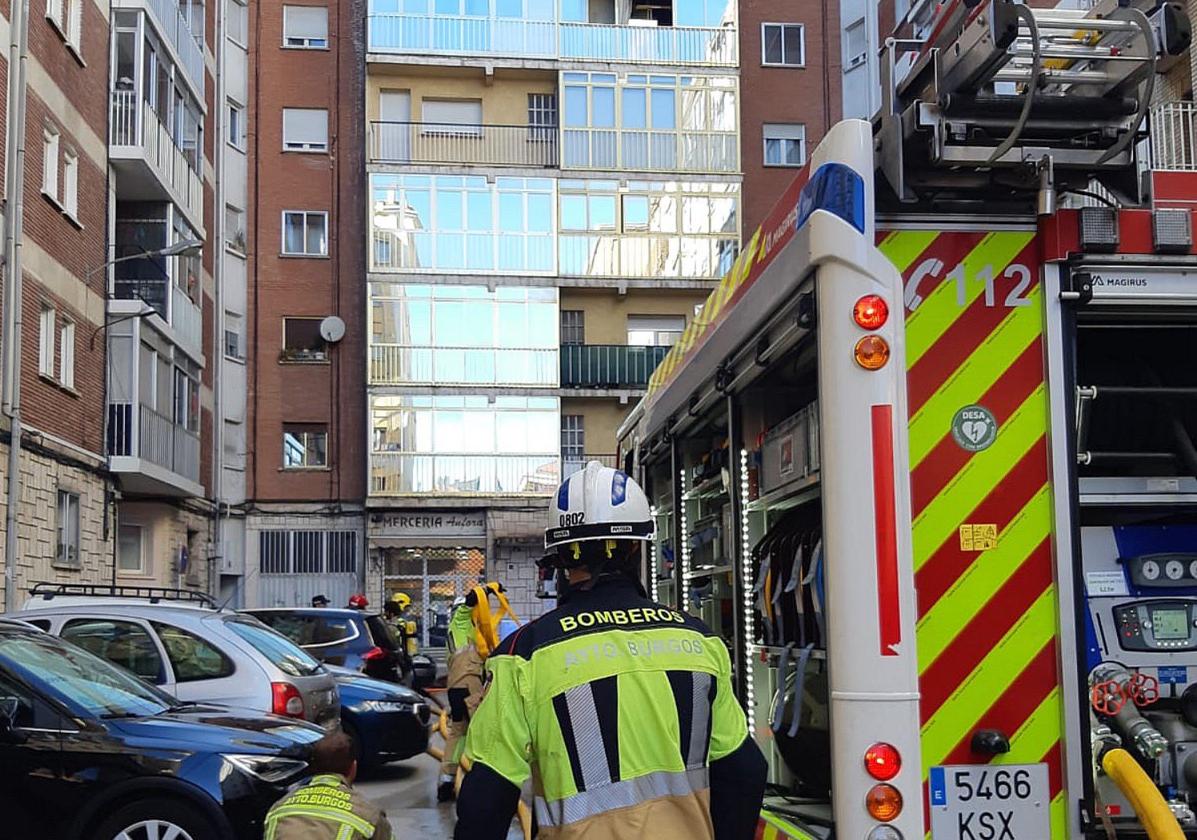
(927, 457)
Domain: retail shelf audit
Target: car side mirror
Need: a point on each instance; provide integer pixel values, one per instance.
(9, 734)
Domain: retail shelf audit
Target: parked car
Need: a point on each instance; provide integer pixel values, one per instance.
(193, 650)
(89, 752)
(387, 722)
(352, 639)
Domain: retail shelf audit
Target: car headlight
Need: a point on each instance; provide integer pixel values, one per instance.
(269, 768)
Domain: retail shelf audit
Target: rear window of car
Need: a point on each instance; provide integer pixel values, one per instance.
(384, 634)
(310, 629)
(191, 657)
(280, 651)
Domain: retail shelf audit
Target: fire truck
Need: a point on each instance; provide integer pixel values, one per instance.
(927, 457)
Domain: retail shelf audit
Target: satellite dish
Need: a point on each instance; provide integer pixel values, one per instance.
(332, 329)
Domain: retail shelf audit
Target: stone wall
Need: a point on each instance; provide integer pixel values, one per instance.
(516, 541)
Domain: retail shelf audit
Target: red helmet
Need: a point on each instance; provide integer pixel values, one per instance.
(358, 602)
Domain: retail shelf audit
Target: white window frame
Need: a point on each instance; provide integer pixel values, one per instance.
(850, 61)
(47, 335)
(70, 183)
(236, 125)
(74, 26)
(51, 140)
(66, 354)
(307, 214)
(308, 146)
(243, 20)
(67, 550)
(783, 63)
(660, 326)
(230, 232)
(305, 465)
(143, 566)
(54, 13)
(232, 319)
(766, 137)
(304, 42)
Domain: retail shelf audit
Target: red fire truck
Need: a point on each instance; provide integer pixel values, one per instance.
(927, 459)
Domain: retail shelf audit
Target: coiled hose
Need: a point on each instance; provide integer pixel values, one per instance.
(1156, 817)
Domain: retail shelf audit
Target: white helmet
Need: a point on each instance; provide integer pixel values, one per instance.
(598, 503)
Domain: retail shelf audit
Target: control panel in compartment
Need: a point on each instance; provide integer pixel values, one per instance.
(1157, 625)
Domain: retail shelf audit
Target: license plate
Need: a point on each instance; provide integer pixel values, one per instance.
(990, 802)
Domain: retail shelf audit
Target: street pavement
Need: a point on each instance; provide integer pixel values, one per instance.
(407, 792)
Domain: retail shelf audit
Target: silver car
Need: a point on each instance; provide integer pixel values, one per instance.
(196, 652)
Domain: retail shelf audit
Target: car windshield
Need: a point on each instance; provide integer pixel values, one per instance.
(82, 681)
(281, 652)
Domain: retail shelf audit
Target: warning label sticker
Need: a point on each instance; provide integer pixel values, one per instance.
(981, 537)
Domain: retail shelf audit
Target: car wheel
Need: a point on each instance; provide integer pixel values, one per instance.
(161, 819)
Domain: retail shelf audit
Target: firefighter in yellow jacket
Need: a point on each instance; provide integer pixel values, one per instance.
(473, 634)
(327, 807)
(619, 710)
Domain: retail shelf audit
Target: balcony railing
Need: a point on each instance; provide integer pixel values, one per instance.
(170, 302)
(1174, 136)
(518, 38)
(178, 31)
(607, 366)
(186, 318)
(477, 145)
(155, 438)
(136, 130)
(393, 364)
(658, 151)
(394, 474)
(571, 463)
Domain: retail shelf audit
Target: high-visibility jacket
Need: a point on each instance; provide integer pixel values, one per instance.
(326, 808)
(615, 706)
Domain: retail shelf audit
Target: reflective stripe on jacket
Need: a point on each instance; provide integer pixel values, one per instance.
(326, 808)
(614, 706)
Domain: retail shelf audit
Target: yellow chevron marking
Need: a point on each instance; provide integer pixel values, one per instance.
(940, 308)
(940, 519)
(956, 607)
(976, 375)
(1009, 658)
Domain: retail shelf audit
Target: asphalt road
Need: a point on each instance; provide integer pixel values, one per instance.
(407, 792)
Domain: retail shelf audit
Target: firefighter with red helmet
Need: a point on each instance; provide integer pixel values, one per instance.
(358, 602)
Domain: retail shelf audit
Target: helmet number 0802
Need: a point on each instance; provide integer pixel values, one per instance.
(575, 518)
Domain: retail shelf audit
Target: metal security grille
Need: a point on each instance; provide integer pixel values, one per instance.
(296, 565)
(432, 577)
(573, 437)
(573, 326)
(542, 116)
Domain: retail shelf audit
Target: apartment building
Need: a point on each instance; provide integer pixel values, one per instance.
(305, 434)
(64, 520)
(553, 189)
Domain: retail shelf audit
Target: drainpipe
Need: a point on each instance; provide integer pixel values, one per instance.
(14, 183)
(218, 215)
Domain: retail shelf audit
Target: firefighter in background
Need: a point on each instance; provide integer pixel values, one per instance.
(395, 610)
(358, 602)
(619, 710)
(474, 632)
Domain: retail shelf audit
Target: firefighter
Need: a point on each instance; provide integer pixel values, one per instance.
(358, 602)
(620, 710)
(327, 807)
(320, 601)
(473, 636)
(395, 610)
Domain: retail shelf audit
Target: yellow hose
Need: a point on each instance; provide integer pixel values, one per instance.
(1153, 812)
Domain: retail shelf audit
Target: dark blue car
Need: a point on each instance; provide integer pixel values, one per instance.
(387, 722)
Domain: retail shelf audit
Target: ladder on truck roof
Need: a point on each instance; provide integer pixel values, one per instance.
(1006, 98)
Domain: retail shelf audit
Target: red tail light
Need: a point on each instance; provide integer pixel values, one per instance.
(871, 312)
(287, 701)
(882, 762)
(374, 654)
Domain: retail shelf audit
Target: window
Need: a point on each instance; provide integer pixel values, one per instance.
(305, 129)
(302, 341)
(305, 233)
(336, 550)
(452, 116)
(232, 336)
(123, 643)
(50, 162)
(67, 551)
(236, 125)
(573, 326)
(305, 445)
(191, 657)
(237, 22)
(655, 330)
(234, 229)
(282, 653)
(782, 44)
(785, 144)
(856, 44)
(45, 343)
(573, 438)
(131, 548)
(70, 183)
(66, 355)
(542, 116)
(186, 407)
(305, 27)
(54, 12)
(74, 22)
